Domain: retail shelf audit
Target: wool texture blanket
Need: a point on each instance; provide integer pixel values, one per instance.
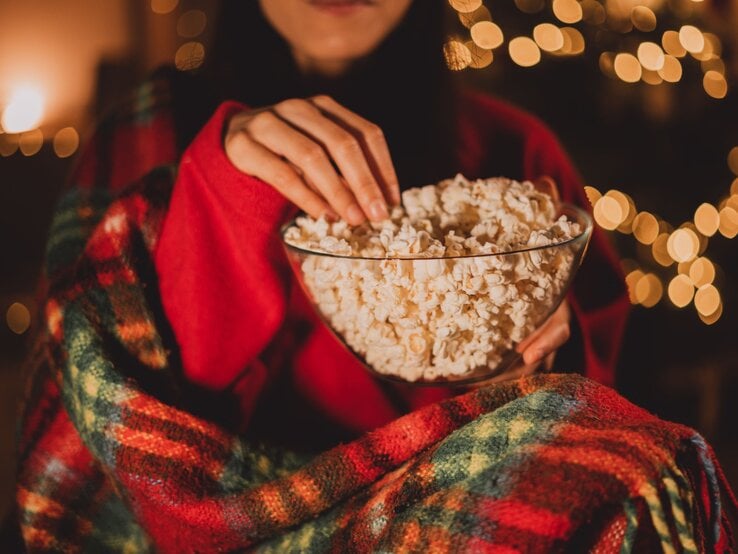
(119, 454)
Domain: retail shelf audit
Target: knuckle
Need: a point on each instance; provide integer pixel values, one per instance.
(311, 154)
(322, 99)
(236, 143)
(262, 120)
(294, 106)
(283, 179)
(373, 133)
(347, 146)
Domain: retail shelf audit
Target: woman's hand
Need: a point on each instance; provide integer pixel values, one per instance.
(327, 160)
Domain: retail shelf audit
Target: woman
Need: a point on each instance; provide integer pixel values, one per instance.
(173, 321)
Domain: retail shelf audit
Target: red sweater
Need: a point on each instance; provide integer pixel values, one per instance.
(239, 317)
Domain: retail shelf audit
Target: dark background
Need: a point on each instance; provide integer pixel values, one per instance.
(665, 145)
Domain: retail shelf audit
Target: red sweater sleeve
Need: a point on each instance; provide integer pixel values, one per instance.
(223, 278)
(598, 297)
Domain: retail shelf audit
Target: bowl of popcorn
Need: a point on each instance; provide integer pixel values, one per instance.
(443, 290)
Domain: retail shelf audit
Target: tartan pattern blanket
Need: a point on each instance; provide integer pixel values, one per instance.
(116, 455)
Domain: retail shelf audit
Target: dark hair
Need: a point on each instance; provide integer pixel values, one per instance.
(403, 86)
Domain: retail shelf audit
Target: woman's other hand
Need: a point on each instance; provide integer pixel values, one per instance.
(324, 158)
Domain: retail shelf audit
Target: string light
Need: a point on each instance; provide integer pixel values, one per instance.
(192, 23)
(163, 7)
(643, 18)
(681, 291)
(190, 55)
(66, 142)
(627, 67)
(18, 318)
(457, 55)
(31, 142)
(487, 35)
(524, 51)
(24, 110)
(465, 6)
(548, 37)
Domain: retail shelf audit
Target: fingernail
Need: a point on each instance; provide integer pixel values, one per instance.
(378, 210)
(330, 216)
(355, 215)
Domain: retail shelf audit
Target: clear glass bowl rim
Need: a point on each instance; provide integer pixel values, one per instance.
(562, 208)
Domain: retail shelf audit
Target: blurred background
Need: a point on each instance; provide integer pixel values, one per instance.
(641, 93)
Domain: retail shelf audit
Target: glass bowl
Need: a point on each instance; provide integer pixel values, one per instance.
(437, 321)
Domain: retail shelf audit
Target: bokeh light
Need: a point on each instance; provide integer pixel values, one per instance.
(163, 7)
(567, 11)
(651, 56)
(681, 291)
(672, 70)
(645, 228)
(701, 272)
(524, 51)
(469, 19)
(649, 290)
(672, 45)
(24, 109)
(733, 165)
(457, 55)
(627, 67)
(691, 38)
(707, 300)
(31, 142)
(8, 144)
(18, 318)
(548, 37)
(683, 245)
(728, 222)
(715, 84)
(631, 280)
(712, 318)
(465, 6)
(192, 23)
(190, 55)
(643, 18)
(573, 42)
(66, 142)
(659, 250)
(480, 58)
(707, 219)
(608, 213)
(487, 35)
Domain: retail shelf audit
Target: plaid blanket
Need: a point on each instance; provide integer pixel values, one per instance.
(119, 454)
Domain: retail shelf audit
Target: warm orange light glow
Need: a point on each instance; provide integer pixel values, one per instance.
(24, 110)
(469, 19)
(607, 63)
(593, 195)
(733, 165)
(573, 42)
(659, 250)
(712, 318)
(480, 58)
(524, 51)
(568, 11)
(681, 291)
(734, 186)
(707, 300)
(8, 145)
(457, 55)
(627, 68)
(649, 290)
(645, 228)
(465, 6)
(707, 219)
(548, 37)
(18, 318)
(728, 222)
(672, 70)
(701, 272)
(651, 56)
(487, 35)
(190, 55)
(643, 18)
(66, 142)
(31, 142)
(163, 7)
(692, 39)
(192, 23)
(672, 45)
(715, 84)
(683, 245)
(607, 213)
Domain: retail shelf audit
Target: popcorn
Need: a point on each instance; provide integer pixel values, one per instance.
(421, 309)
